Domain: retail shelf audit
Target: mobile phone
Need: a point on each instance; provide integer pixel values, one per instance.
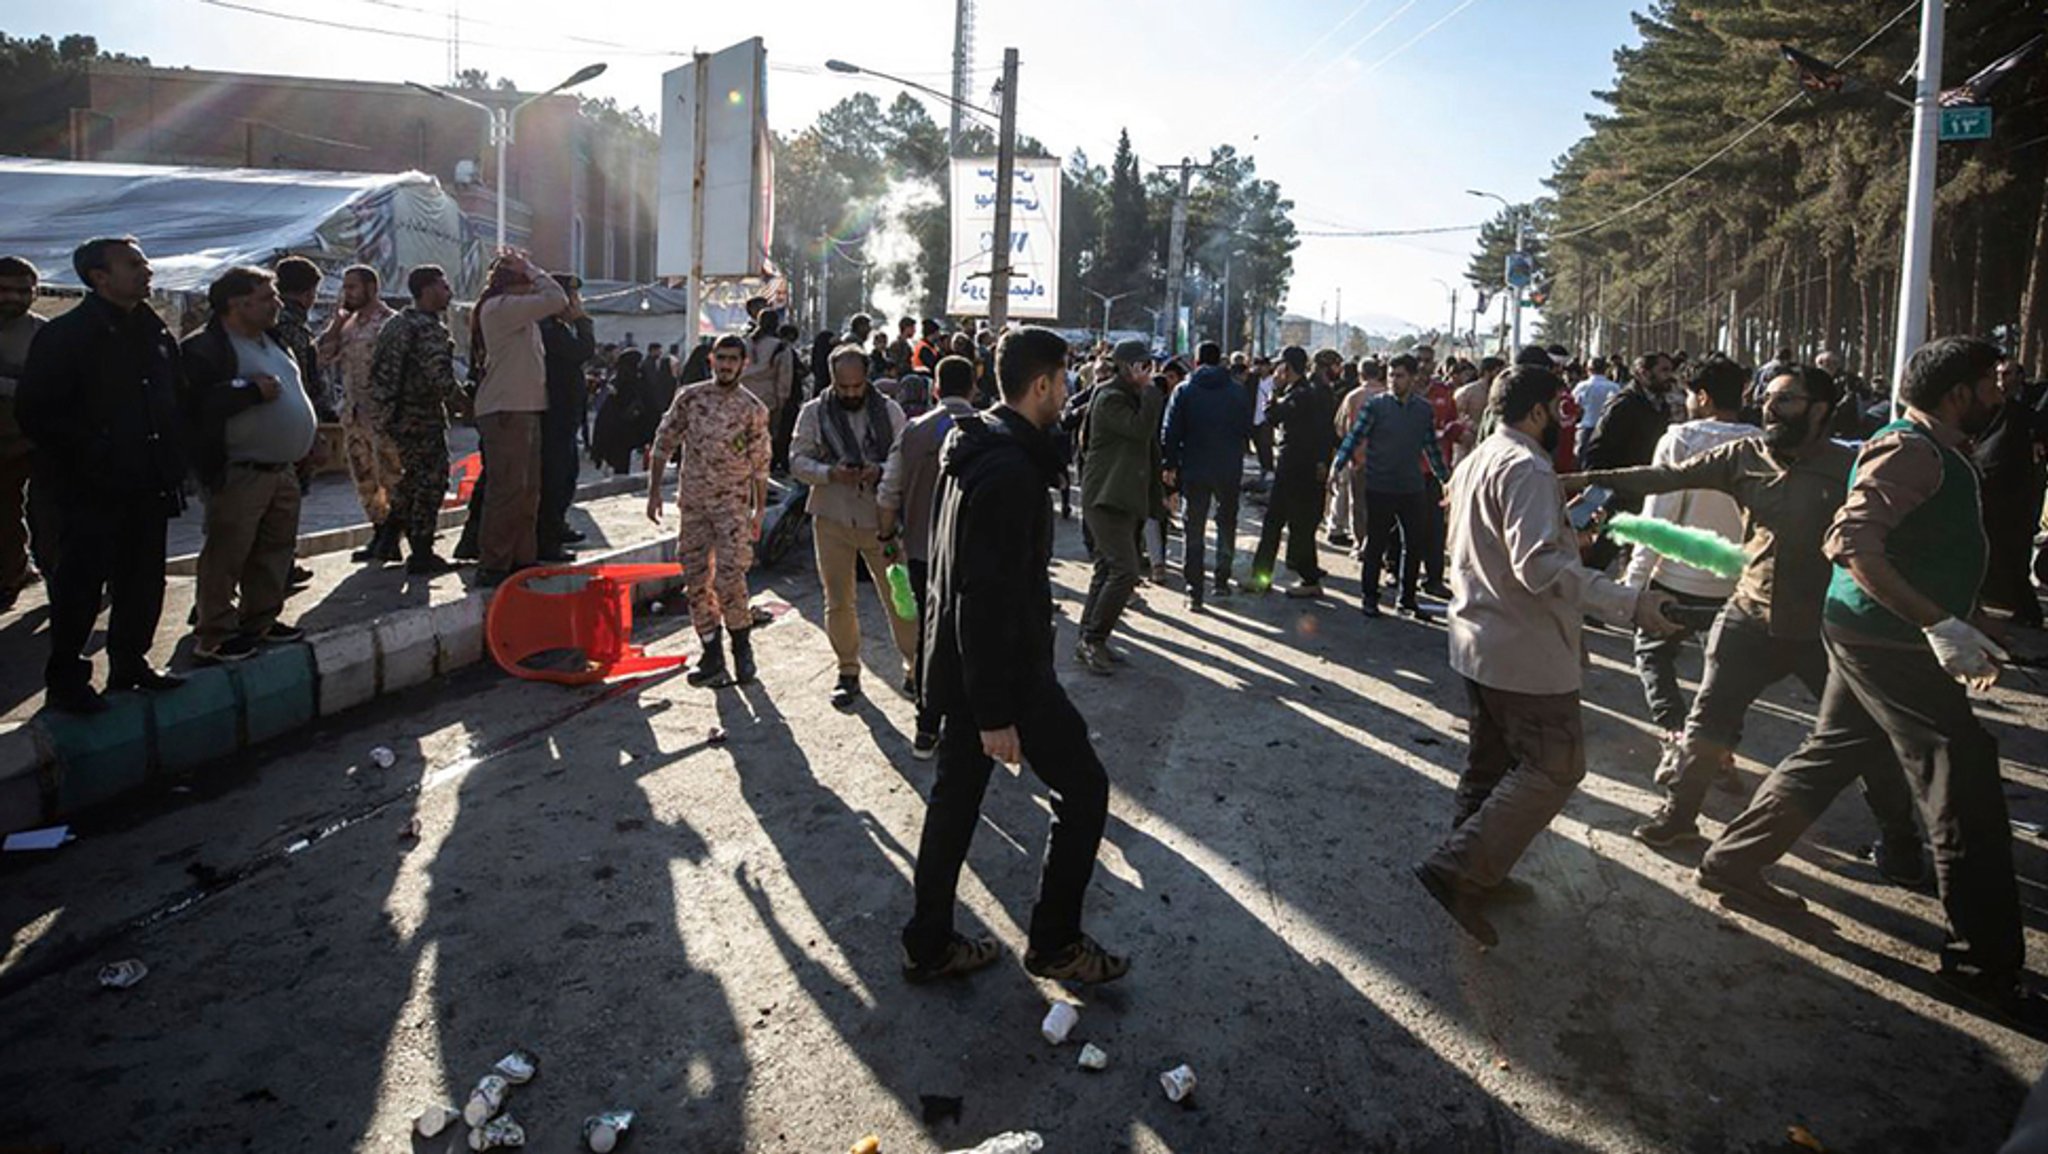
(1588, 506)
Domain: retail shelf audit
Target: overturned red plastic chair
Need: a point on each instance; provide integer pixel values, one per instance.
(462, 477)
(584, 610)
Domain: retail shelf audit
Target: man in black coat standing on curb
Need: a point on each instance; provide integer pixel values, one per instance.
(988, 672)
(98, 399)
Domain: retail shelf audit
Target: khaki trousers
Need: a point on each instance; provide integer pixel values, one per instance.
(511, 444)
(1528, 754)
(245, 564)
(840, 548)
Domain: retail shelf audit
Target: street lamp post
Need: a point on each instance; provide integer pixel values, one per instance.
(1451, 333)
(1006, 172)
(1107, 300)
(1521, 231)
(1917, 259)
(504, 123)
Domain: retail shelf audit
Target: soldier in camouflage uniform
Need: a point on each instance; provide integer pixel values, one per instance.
(721, 489)
(349, 342)
(412, 382)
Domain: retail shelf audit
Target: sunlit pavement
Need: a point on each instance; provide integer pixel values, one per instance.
(705, 931)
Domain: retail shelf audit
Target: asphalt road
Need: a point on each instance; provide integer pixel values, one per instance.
(705, 931)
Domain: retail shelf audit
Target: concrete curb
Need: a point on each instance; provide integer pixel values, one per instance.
(352, 537)
(54, 765)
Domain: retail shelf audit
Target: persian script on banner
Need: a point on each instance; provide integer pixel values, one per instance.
(1034, 238)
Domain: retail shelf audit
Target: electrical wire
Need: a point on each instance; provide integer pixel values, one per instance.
(1745, 134)
(423, 37)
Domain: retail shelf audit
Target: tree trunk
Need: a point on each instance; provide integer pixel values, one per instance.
(2034, 296)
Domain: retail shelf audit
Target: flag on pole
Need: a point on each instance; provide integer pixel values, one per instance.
(1978, 87)
(1814, 75)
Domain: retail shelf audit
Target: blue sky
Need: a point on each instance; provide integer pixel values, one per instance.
(1367, 116)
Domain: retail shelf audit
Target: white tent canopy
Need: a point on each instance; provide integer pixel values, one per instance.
(196, 222)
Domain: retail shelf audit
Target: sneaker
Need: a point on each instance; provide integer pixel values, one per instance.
(1667, 827)
(1081, 960)
(847, 691)
(1753, 891)
(301, 575)
(1116, 656)
(1339, 540)
(1195, 604)
(963, 955)
(568, 536)
(1416, 612)
(1462, 906)
(1089, 654)
(236, 648)
(1371, 609)
(1438, 590)
(924, 746)
(144, 678)
(1305, 590)
(1902, 862)
(1221, 588)
(281, 634)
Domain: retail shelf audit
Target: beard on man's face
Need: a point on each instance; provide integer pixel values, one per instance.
(1787, 432)
(1553, 433)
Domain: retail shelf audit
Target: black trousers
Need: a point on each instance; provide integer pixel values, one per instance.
(1294, 506)
(112, 548)
(1194, 550)
(1383, 512)
(920, 576)
(558, 468)
(1056, 747)
(1897, 703)
(1434, 531)
(1743, 660)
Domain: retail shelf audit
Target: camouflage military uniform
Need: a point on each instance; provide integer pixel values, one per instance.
(723, 433)
(350, 345)
(412, 382)
(297, 338)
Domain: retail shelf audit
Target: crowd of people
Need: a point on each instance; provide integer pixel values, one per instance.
(1873, 533)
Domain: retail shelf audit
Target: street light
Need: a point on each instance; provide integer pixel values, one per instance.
(503, 122)
(1006, 173)
(1107, 301)
(1521, 223)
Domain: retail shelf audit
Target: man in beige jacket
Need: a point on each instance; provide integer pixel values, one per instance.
(505, 340)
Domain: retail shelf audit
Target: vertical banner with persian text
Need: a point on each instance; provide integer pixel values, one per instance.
(1034, 238)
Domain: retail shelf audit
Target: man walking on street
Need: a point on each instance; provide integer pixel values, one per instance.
(1519, 601)
(1304, 417)
(1393, 432)
(1789, 484)
(842, 441)
(1207, 421)
(1910, 554)
(99, 400)
(721, 493)
(254, 422)
(349, 342)
(770, 376)
(568, 341)
(18, 327)
(412, 381)
(1116, 455)
(989, 674)
(910, 482)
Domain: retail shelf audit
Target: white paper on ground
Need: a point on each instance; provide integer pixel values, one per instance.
(49, 838)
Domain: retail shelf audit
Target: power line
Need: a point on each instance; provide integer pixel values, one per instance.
(1385, 232)
(1745, 134)
(395, 34)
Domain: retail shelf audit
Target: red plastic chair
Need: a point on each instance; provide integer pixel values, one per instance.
(592, 613)
(462, 477)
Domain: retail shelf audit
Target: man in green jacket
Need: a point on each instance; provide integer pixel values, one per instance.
(1116, 494)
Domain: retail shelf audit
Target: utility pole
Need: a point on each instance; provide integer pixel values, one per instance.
(963, 68)
(1006, 175)
(1916, 264)
(1521, 239)
(1451, 333)
(1177, 252)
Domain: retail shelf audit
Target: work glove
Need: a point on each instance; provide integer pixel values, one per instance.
(1965, 653)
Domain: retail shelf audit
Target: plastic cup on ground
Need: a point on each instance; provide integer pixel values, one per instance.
(1059, 1022)
(434, 1119)
(601, 1132)
(1178, 1083)
(485, 1100)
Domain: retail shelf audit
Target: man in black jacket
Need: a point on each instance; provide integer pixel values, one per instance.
(1304, 414)
(988, 672)
(568, 341)
(98, 398)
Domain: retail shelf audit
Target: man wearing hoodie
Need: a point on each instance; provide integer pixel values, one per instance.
(1714, 388)
(989, 674)
(910, 482)
(1116, 496)
(1202, 451)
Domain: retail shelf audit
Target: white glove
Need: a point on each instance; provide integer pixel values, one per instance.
(1965, 653)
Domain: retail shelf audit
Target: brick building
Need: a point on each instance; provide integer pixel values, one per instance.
(581, 191)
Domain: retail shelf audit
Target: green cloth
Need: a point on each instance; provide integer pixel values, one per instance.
(1939, 547)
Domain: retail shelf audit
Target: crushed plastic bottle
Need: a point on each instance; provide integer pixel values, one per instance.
(383, 757)
(601, 1132)
(517, 1067)
(123, 974)
(1009, 1142)
(502, 1132)
(902, 598)
(486, 1100)
(435, 1118)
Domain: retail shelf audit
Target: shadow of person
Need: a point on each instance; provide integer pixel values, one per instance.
(558, 927)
